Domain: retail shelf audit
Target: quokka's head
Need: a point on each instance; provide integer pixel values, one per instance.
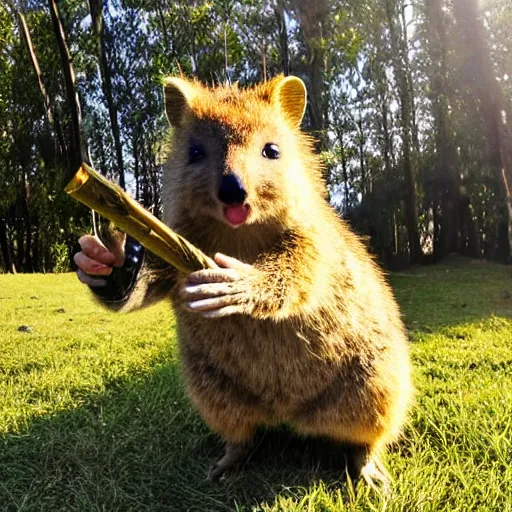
(236, 153)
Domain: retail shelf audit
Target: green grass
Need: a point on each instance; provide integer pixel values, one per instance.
(93, 415)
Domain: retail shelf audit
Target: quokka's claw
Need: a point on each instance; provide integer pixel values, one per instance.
(376, 476)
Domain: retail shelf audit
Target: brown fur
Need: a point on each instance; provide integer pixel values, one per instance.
(322, 346)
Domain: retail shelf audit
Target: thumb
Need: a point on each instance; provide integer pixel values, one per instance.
(114, 240)
(228, 262)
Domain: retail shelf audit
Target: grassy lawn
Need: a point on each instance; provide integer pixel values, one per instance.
(93, 415)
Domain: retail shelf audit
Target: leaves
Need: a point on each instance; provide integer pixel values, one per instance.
(358, 60)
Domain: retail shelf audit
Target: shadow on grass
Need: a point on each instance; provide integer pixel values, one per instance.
(140, 446)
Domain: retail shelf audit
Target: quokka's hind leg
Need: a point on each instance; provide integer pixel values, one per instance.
(239, 445)
(239, 437)
(235, 456)
(362, 453)
(365, 463)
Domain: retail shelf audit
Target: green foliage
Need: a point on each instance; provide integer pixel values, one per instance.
(60, 257)
(94, 414)
(358, 60)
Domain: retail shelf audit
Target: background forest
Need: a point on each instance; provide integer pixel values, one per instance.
(408, 100)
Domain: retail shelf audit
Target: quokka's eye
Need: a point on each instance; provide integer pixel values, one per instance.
(196, 153)
(271, 151)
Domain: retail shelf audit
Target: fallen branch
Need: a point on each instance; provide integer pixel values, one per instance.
(113, 203)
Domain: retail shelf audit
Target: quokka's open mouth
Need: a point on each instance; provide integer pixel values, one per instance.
(236, 214)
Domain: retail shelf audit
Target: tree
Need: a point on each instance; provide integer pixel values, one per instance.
(312, 18)
(101, 35)
(491, 104)
(400, 60)
(408, 101)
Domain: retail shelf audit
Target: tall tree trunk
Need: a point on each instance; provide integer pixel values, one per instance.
(362, 164)
(48, 104)
(436, 239)
(386, 148)
(447, 182)
(35, 249)
(106, 83)
(156, 186)
(100, 144)
(408, 72)
(28, 263)
(410, 192)
(163, 26)
(311, 16)
(469, 228)
(264, 62)
(344, 168)
(146, 200)
(77, 149)
(491, 103)
(283, 36)
(18, 225)
(386, 138)
(136, 171)
(316, 81)
(6, 248)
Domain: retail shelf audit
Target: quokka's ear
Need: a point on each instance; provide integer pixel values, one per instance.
(290, 94)
(178, 93)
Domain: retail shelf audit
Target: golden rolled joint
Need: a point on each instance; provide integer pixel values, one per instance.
(112, 202)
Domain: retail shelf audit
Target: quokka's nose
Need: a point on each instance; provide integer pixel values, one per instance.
(231, 190)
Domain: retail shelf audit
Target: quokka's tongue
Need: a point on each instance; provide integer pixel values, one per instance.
(236, 214)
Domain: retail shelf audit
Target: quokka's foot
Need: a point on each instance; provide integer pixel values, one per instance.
(235, 456)
(370, 469)
(376, 476)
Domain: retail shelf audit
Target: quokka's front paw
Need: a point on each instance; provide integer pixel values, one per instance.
(215, 293)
